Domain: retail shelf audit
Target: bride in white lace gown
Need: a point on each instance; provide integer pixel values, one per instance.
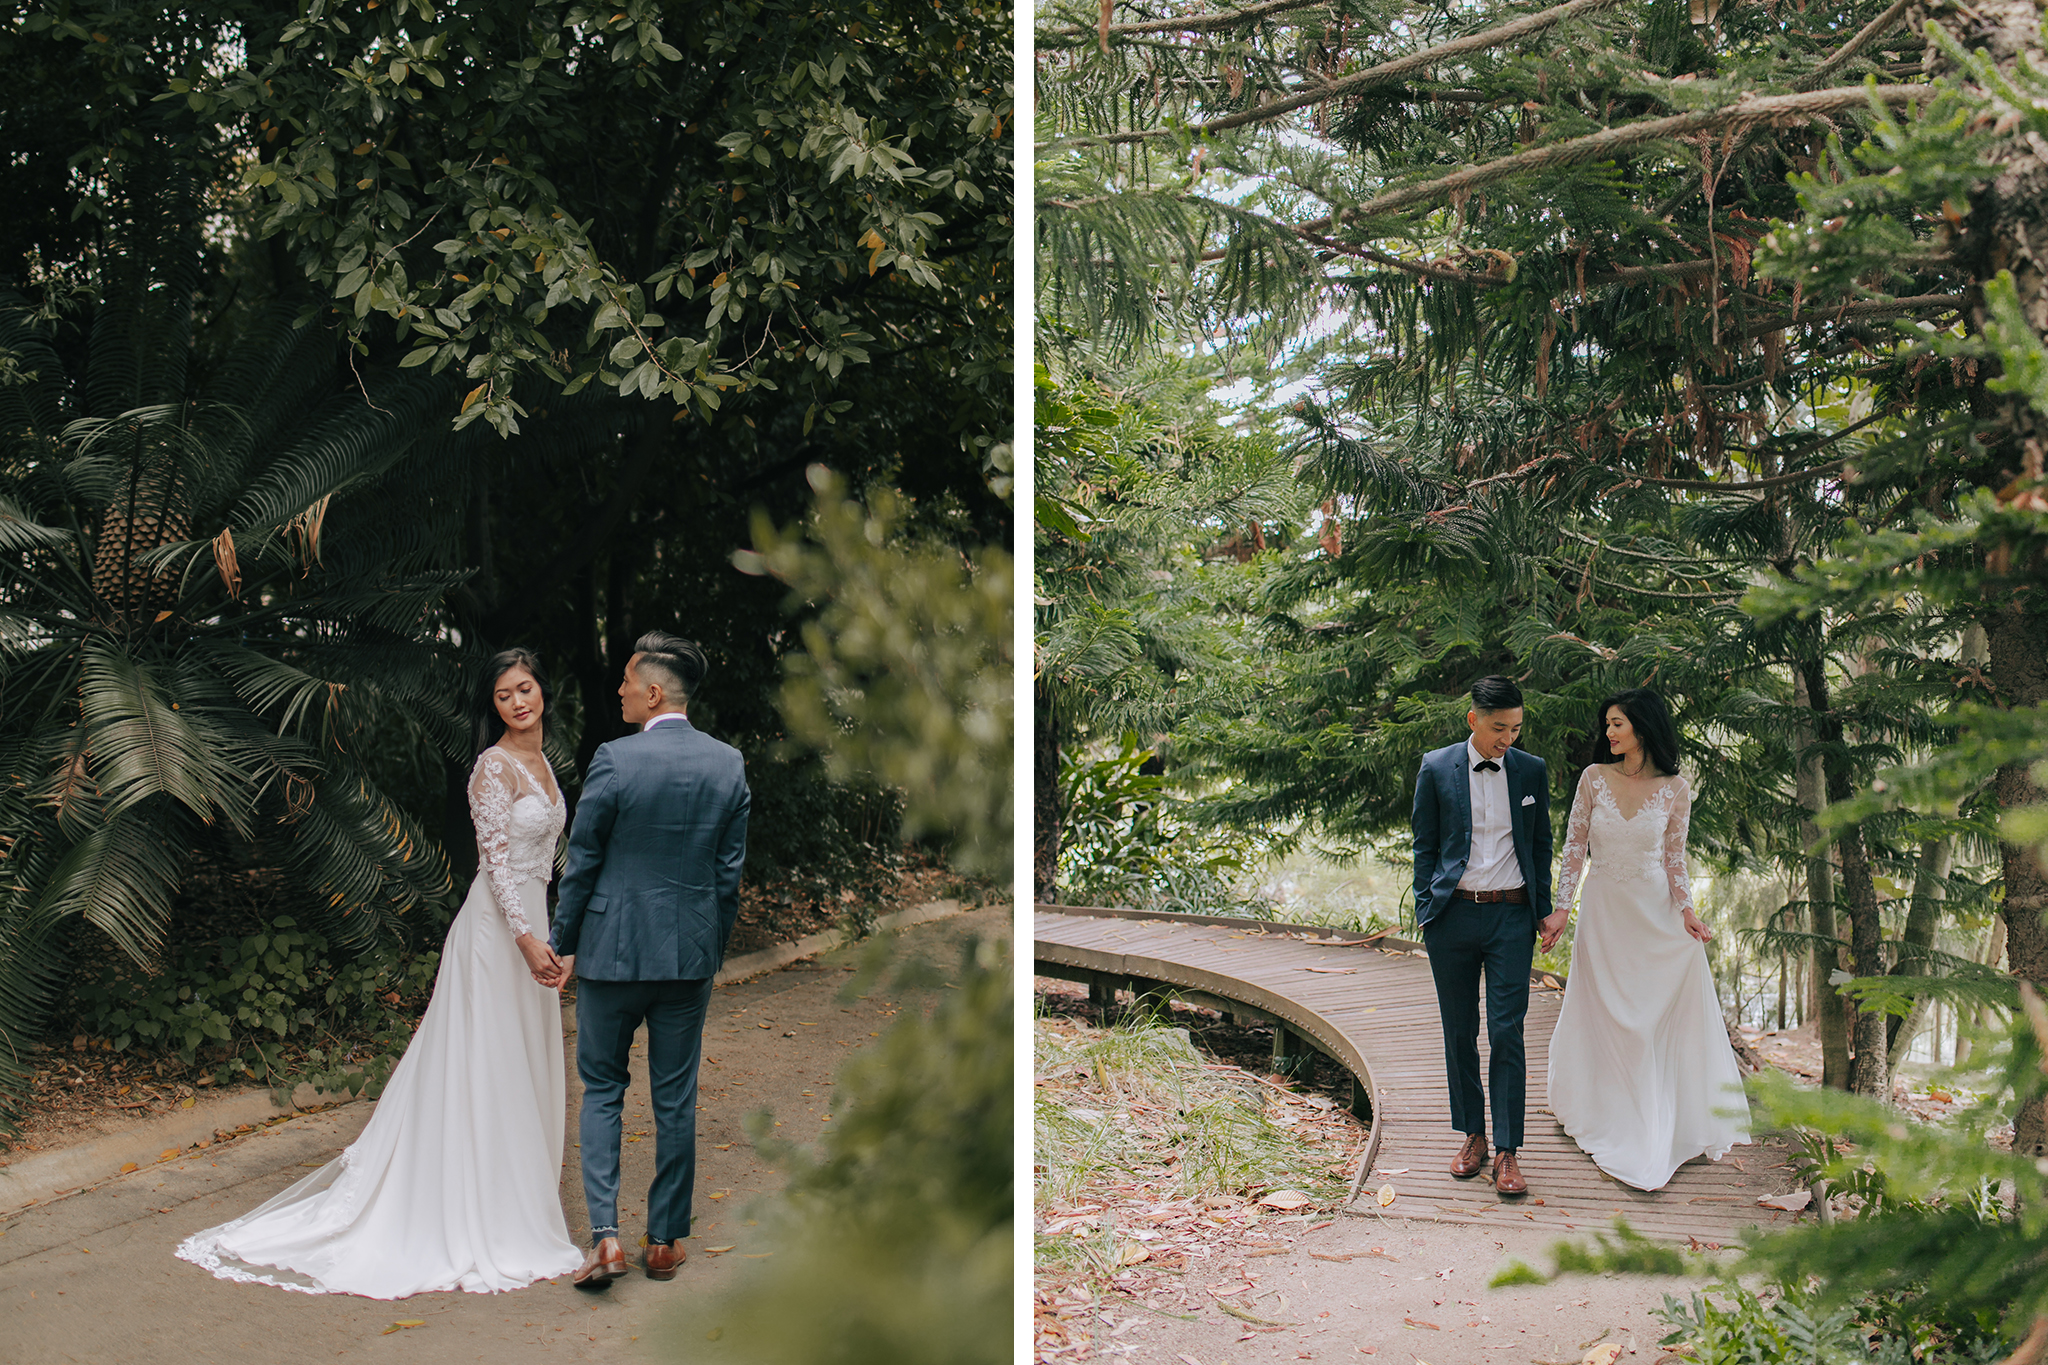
(454, 1184)
(1641, 1072)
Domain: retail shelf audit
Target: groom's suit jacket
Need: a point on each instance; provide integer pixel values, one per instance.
(1443, 826)
(653, 884)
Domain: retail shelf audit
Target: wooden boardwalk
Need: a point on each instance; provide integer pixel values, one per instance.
(1372, 1008)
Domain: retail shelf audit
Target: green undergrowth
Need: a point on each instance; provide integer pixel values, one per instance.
(281, 1006)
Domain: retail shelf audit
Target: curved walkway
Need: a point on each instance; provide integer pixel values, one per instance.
(1370, 1004)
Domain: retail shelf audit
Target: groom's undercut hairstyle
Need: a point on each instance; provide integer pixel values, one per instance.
(1495, 694)
(679, 665)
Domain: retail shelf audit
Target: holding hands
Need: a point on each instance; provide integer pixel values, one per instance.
(548, 968)
(1550, 928)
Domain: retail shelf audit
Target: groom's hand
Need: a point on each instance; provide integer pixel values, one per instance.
(541, 961)
(1551, 928)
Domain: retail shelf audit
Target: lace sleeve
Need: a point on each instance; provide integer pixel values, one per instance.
(1675, 831)
(1571, 868)
(490, 807)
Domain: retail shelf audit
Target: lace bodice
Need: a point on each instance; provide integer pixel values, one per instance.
(1644, 846)
(517, 824)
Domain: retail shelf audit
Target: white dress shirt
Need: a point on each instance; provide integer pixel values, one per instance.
(1491, 865)
(653, 721)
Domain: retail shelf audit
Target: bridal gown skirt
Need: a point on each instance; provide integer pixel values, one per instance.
(1641, 1073)
(454, 1183)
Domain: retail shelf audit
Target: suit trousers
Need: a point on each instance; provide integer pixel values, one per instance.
(1466, 941)
(607, 1014)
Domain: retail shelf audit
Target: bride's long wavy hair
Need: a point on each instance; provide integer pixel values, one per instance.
(1650, 718)
(490, 728)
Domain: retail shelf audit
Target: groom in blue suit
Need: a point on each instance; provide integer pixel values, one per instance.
(647, 904)
(1482, 883)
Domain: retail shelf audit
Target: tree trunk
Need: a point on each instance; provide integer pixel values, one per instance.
(1045, 799)
(2005, 215)
(2019, 669)
(1921, 920)
(1869, 1073)
(1829, 1008)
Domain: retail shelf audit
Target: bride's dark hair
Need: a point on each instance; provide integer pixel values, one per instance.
(490, 727)
(1650, 719)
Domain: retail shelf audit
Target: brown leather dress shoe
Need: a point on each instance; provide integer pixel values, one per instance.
(1470, 1157)
(606, 1262)
(1507, 1175)
(662, 1259)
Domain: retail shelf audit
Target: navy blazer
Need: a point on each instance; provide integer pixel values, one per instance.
(1443, 826)
(653, 885)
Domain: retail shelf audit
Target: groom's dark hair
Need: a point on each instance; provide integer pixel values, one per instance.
(1495, 694)
(677, 664)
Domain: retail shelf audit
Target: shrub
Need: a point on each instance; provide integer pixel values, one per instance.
(282, 1006)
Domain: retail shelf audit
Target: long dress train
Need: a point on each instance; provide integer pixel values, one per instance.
(1641, 1072)
(454, 1183)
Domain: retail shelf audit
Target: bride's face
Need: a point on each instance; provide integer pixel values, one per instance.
(518, 700)
(1621, 736)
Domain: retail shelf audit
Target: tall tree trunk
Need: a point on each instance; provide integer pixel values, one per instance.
(2019, 669)
(1922, 919)
(1831, 1013)
(2000, 233)
(1045, 799)
(1869, 1072)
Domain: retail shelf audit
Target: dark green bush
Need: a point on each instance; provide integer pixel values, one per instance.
(280, 1006)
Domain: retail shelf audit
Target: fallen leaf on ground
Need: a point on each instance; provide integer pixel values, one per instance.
(1604, 1354)
(1386, 1195)
(1791, 1201)
(404, 1323)
(1134, 1253)
(130, 1166)
(1286, 1200)
(716, 1250)
(1418, 1322)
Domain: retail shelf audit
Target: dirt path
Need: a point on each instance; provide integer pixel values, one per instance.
(1380, 1289)
(91, 1278)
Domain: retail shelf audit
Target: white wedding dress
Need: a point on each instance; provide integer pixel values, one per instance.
(1641, 1072)
(454, 1184)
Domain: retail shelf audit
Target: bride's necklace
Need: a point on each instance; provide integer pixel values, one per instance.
(1623, 770)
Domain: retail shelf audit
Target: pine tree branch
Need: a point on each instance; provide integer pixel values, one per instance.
(1883, 308)
(1869, 33)
(1194, 23)
(1603, 144)
(1396, 69)
(1796, 476)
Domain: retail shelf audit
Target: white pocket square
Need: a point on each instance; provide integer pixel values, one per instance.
(1528, 800)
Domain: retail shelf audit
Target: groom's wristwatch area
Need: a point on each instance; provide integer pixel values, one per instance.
(1515, 895)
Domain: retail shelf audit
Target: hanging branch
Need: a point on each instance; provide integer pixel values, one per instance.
(1865, 36)
(1371, 76)
(1603, 144)
(1195, 23)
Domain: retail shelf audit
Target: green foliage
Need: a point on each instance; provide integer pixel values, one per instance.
(893, 1239)
(208, 592)
(1733, 1325)
(283, 1006)
(1628, 1252)
(778, 188)
(905, 674)
(1130, 841)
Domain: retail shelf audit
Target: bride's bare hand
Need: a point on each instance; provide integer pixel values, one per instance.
(541, 961)
(1697, 927)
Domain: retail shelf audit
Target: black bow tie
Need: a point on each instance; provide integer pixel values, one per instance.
(1486, 765)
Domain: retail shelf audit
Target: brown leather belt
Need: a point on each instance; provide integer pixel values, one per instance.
(1516, 895)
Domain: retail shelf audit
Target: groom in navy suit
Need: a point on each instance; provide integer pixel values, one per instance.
(1482, 882)
(648, 902)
